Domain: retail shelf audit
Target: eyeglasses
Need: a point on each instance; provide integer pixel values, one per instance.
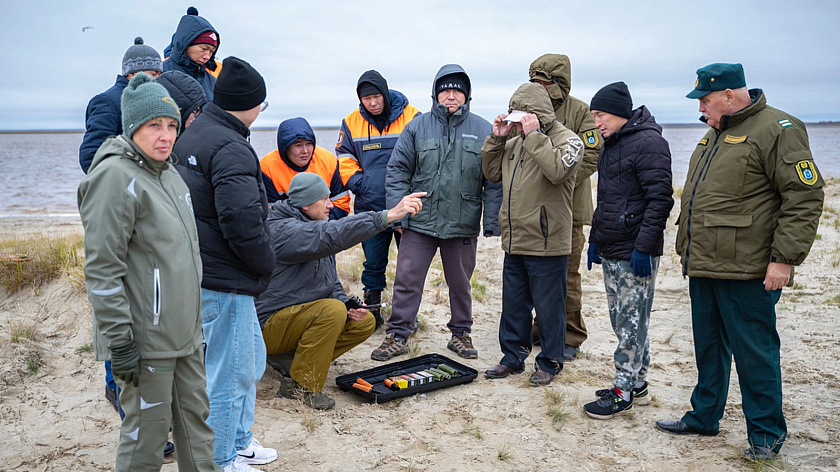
(263, 106)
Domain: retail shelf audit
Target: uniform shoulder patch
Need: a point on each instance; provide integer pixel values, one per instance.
(785, 123)
(591, 139)
(807, 172)
(703, 142)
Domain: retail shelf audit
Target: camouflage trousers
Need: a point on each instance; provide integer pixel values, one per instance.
(630, 299)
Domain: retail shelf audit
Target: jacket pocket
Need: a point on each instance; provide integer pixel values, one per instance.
(156, 296)
(471, 172)
(470, 210)
(544, 226)
(731, 232)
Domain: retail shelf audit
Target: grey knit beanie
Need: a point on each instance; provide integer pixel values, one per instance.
(143, 100)
(306, 188)
(141, 57)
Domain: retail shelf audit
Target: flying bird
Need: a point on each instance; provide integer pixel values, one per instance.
(85, 28)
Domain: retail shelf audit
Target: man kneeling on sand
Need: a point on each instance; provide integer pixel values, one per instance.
(303, 313)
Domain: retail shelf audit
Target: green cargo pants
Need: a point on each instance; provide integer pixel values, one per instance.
(737, 317)
(172, 392)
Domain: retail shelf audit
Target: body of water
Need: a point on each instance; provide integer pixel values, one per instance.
(39, 172)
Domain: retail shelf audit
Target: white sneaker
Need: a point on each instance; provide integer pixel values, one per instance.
(237, 466)
(256, 454)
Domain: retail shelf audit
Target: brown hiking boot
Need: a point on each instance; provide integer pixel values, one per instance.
(293, 391)
(390, 348)
(463, 346)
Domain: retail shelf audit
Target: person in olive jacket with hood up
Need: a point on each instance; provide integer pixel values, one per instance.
(143, 274)
(554, 72)
(537, 169)
(634, 201)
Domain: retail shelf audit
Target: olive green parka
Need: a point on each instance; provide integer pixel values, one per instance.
(537, 172)
(573, 114)
(753, 195)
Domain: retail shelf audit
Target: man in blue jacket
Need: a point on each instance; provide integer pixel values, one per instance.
(439, 153)
(365, 142)
(102, 117)
(193, 50)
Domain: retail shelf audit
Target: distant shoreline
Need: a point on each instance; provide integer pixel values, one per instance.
(326, 128)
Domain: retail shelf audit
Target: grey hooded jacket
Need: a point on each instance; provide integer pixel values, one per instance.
(440, 154)
(305, 251)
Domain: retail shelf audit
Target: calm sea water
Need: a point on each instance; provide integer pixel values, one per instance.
(39, 172)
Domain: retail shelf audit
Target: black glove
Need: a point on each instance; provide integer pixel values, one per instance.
(125, 362)
(641, 264)
(592, 256)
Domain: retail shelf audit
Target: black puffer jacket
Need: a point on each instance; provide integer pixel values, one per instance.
(634, 189)
(228, 198)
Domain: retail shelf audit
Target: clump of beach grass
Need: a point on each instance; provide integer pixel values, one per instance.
(36, 260)
(479, 288)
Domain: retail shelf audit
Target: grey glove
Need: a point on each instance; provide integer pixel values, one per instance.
(125, 362)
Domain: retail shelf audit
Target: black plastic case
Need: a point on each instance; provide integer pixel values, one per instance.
(376, 376)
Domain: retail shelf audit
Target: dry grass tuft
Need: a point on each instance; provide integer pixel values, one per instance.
(34, 261)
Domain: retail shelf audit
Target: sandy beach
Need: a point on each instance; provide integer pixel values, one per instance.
(57, 419)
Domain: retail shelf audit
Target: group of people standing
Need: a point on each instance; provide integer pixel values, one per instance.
(205, 262)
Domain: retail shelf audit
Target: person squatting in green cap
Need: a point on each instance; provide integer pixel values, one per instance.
(143, 273)
(750, 209)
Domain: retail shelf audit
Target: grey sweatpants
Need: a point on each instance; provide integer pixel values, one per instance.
(415, 256)
(630, 299)
(171, 392)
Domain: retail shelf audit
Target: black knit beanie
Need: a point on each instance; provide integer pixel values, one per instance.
(239, 86)
(457, 81)
(614, 99)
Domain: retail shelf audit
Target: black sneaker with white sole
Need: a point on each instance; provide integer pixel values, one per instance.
(640, 395)
(608, 406)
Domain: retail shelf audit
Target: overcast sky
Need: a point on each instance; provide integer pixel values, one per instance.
(311, 53)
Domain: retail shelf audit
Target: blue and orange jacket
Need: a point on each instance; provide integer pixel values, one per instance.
(363, 152)
(277, 171)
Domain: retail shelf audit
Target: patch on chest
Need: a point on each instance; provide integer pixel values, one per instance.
(703, 142)
(734, 139)
(369, 147)
(591, 139)
(807, 172)
(785, 123)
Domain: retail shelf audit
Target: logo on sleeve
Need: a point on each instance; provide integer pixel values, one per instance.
(785, 123)
(591, 139)
(807, 172)
(340, 138)
(735, 139)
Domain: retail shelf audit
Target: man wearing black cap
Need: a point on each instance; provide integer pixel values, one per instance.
(305, 311)
(627, 237)
(750, 210)
(102, 117)
(365, 142)
(230, 206)
(439, 153)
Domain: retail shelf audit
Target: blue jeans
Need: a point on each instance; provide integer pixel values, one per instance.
(376, 259)
(235, 362)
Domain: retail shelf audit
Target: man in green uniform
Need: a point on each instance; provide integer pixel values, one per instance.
(554, 72)
(750, 209)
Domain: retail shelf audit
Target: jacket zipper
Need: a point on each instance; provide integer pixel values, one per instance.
(544, 227)
(510, 195)
(691, 202)
(156, 303)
